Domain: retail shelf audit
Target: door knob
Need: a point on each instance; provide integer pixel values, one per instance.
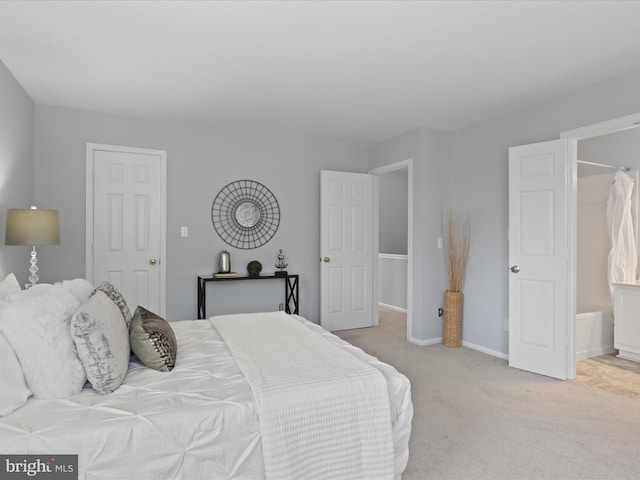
(152, 261)
(515, 269)
(326, 259)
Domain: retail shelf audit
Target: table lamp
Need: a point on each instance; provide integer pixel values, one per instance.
(32, 227)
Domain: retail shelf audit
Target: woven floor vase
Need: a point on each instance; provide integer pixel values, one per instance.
(452, 324)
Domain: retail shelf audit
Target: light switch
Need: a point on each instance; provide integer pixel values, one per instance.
(184, 231)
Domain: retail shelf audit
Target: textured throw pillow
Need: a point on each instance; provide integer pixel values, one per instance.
(102, 341)
(153, 340)
(116, 297)
(9, 285)
(36, 324)
(12, 383)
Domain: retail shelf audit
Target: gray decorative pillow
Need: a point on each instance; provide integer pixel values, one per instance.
(102, 342)
(153, 340)
(116, 297)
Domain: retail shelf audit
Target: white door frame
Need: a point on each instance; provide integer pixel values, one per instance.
(602, 128)
(408, 165)
(91, 149)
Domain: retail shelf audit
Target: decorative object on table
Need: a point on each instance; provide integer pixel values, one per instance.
(458, 237)
(32, 227)
(224, 262)
(245, 214)
(254, 268)
(226, 275)
(281, 265)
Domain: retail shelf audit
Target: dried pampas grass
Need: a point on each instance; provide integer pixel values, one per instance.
(458, 237)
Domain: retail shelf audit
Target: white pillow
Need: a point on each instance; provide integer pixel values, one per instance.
(9, 285)
(102, 340)
(12, 384)
(36, 322)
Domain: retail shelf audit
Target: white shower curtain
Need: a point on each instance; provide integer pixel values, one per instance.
(623, 257)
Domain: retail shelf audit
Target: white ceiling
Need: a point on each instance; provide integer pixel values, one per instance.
(365, 70)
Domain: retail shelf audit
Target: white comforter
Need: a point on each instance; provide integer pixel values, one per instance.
(199, 421)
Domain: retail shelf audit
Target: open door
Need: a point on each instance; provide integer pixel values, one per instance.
(348, 249)
(540, 308)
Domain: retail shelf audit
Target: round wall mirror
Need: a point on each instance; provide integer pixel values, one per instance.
(245, 214)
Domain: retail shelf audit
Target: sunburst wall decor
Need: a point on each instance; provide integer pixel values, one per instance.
(245, 214)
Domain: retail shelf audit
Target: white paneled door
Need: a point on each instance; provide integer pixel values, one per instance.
(347, 250)
(125, 222)
(539, 237)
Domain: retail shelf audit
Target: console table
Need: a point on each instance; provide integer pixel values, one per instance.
(290, 290)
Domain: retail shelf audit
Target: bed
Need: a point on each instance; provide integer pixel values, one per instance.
(201, 420)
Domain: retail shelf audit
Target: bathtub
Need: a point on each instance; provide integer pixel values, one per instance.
(594, 331)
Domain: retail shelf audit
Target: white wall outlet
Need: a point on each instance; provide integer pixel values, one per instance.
(440, 243)
(506, 324)
(184, 232)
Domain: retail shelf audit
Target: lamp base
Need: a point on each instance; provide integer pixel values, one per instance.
(33, 278)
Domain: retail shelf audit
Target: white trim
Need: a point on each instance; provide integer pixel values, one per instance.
(595, 352)
(488, 351)
(424, 343)
(602, 128)
(91, 149)
(629, 355)
(392, 307)
(376, 247)
(408, 165)
(472, 346)
(393, 256)
(572, 260)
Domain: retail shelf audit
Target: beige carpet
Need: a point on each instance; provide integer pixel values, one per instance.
(610, 373)
(477, 419)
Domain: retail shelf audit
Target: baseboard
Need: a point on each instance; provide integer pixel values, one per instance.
(629, 355)
(488, 351)
(422, 343)
(392, 307)
(472, 346)
(595, 352)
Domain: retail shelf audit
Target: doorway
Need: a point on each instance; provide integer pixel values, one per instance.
(560, 332)
(402, 262)
(597, 359)
(598, 138)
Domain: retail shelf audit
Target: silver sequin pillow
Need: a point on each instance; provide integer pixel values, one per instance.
(152, 340)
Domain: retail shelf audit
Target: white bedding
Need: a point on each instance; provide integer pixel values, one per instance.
(324, 414)
(197, 422)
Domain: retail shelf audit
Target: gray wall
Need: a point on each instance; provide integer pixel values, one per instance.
(478, 183)
(200, 161)
(466, 170)
(16, 169)
(392, 220)
(429, 150)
